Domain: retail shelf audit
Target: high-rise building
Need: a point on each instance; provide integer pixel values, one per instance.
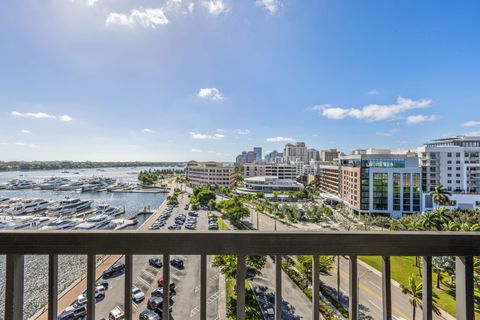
(206, 173)
(295, 152)
(329, 155)
(274, 157)
(313, 155)
(247, 157)
(455, 164)
(258, 153)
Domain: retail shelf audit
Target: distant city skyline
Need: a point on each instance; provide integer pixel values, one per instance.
(175, 80)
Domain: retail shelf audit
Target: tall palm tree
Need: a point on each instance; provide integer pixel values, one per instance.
(414, 290)
(440, 196)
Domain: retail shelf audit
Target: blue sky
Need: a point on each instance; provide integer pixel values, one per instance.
(205, 79)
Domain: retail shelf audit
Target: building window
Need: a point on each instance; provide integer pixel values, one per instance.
(449, 154)
(380, 191)
(396, 192)
(406, 192)
(416, 192)
(458, 155)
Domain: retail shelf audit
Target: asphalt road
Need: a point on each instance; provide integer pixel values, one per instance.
(295, 305)
(370, 294)
(187, 299)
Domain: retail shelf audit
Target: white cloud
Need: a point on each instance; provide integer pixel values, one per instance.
(471, 124)
(271, 6)
(202, 136)
(210, 93)
(242, 131)
(4, 143)
(23, 144)
(25, 131)
(87, 2)
(191, 6)
(37, 115)
(373, 92)
(41, 115)
(281, 139)
(197, 150)
(384, 134)
(215, 7)
(373, 112)
(148, 18)
(65, 118)
(420, 118)
(148, 130)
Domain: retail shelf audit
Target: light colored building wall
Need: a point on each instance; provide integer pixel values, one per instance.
(282, 171)
(205, 173)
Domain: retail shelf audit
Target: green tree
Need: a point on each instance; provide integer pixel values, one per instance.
(440, 196)
(228, 265)
(237, 179)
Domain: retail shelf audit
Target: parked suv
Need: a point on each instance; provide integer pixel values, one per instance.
(177, 263)
(73, 313)
(115, 270)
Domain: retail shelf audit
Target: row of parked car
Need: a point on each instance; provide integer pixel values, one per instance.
(155, 302)
(212, 222)
(162, 219)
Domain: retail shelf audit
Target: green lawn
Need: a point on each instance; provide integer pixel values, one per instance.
(403, 267)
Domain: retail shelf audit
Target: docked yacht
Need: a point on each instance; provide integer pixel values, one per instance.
(53, 183)
(97, 222)
(105, 208)
(60, 224)
(29, 206)
(69, 206)
(20, 184)
(72, 186)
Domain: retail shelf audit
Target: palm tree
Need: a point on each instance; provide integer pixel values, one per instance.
(440, 196)
(414, 290)
(430, 220)
(237, 179)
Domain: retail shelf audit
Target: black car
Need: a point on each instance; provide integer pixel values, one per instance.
(156, 304)
(155, 262)
(73, 313)
(159, 292)
(149, 315)
(115, 270)
(177, 263)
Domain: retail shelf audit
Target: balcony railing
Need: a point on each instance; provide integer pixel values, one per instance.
(464, 246)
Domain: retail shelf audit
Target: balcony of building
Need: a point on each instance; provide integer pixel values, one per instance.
(464, 246)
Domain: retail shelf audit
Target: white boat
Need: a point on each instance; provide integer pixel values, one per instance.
(105, 208)
(72, 186)
(29, 206)
(69, 206)
(17, 184)
(53, 183)
(95, 223)
(60, 224)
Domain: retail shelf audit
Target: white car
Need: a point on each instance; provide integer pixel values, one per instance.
(137, 295)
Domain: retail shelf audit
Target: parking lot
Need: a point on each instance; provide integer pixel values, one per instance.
(186, 301)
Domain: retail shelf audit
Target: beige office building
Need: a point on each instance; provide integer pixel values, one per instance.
(205, 173)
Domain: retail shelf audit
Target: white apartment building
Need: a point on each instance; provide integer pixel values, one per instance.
(295, 152)
(279, 170)
(205, 173)
(455, 164)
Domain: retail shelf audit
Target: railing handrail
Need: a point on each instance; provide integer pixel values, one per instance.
(242, 243)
